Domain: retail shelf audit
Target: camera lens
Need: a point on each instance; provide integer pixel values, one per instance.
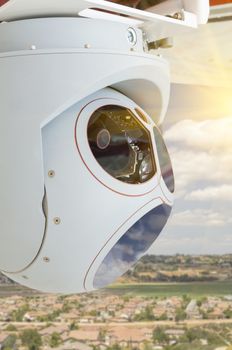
(121, 144)
(103, 139)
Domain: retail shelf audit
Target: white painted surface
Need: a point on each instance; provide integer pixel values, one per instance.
(160, 26)
(200, 8)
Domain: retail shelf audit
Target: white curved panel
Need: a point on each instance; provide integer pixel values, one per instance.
(157, 25)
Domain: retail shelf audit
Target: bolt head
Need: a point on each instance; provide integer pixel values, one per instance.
(57, 221)
(51, 173)
(132, 36)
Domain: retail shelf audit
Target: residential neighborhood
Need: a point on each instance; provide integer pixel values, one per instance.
(143, 316)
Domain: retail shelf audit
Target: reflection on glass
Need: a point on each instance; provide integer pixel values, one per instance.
(121, 144)
(132, 245)
(165, 162)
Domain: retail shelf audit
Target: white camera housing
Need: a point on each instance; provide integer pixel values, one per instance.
(67, 224)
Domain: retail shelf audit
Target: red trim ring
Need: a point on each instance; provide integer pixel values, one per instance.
(3, 2)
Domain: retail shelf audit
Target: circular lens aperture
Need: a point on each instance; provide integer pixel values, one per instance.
(103, 139)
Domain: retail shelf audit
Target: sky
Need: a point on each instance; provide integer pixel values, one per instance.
(198, 132)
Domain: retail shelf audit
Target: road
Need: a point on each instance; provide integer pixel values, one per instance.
(190, 323)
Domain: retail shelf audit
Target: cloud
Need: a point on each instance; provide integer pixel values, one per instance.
(220, 193)
(200, 218)
(190, 243)
(200, 151)
(209, 135)
(190, 167)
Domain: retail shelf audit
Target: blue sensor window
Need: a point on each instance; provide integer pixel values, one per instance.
(132, 245)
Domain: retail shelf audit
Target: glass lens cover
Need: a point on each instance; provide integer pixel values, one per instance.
(132, 245)
(165, 161)
(121, 144)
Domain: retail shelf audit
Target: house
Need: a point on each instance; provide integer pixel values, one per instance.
(84, 335)
(87, 319)
(192, 311)
(217, 313)
(48, 331)
(129, 335)
(74, 345)
(34, 315)
(68, 317)
(176, 333)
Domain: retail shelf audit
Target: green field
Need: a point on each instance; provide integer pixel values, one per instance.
(194, 289)
(178, 289)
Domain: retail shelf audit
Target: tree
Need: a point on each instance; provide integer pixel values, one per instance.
(115, 346)
(149, 316)
(55, 340)
(163, 317)
(73, 326)
(180, 315)
(147, 346)
(145, 315)
(11, 328)
(17, 315)
(9, 343)
(186, 299)
(50, 317)
(159, 336)
(102, 335)
(66, 307)
(192, 334)
(31, 339)
(228, 313)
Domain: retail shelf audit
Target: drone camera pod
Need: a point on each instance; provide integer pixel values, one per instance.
(86, 180)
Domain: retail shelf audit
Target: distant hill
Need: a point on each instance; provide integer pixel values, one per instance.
(5, 280)
(181, 268)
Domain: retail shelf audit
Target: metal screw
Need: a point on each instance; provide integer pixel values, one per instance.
(179, 16)
(132, 36)
(57, 221)
(51, 173)
(46, 259)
